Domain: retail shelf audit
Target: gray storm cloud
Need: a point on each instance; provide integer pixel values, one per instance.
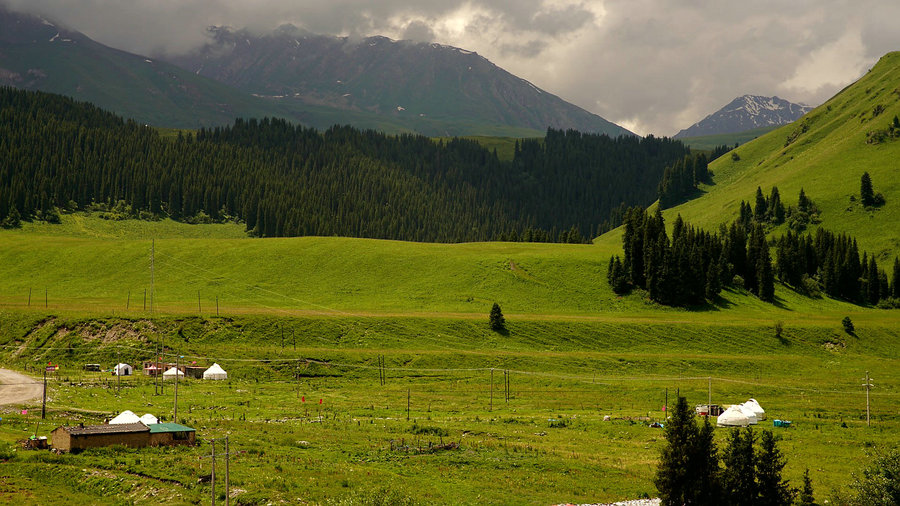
(654, 66)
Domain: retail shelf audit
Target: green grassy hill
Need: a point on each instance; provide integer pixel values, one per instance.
(825, 153)
(90, 264)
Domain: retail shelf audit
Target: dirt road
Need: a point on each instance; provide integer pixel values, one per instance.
(16, 388)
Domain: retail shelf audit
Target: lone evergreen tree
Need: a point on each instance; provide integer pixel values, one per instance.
(866, 193)
(498, 323)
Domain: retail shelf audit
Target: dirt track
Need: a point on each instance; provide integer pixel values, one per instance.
(17, 388)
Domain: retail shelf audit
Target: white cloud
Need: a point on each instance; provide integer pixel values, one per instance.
(832, 66)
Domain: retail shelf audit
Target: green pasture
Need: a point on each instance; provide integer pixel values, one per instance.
(545, 442)
(103, 267)
(710, 142)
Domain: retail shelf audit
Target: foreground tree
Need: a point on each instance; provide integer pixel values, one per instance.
(688, 471)
(496, 320)
(773, 491)
(866, 193)
(879, 484)
(739, 476)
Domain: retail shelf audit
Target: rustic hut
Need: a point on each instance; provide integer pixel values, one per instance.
(79, 437)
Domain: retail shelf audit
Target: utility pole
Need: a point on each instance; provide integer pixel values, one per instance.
(227, 460)
(212, 477)
(199, 309)
(118, 370)
(407, 404)
(29, 297)
(152, 271)
(45, 297)
(44, 401)
(128, 301)
(492, 390)
(708, 396)
(175, 417)
(868, 384)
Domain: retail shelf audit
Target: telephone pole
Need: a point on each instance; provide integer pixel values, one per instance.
(868, 384)
(175, 417)
(44, 401)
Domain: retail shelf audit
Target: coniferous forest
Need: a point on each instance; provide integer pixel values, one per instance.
(693, 266)
(285, 180)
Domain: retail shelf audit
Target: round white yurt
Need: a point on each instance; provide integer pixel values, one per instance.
(748, 412)
(757, 409)
(125, 417)
(149, 419)
(172, 373)
(215, 372)
(734, 416)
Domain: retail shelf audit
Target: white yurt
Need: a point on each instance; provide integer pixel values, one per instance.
(734, 416)
(172, 373)
(749, 413)
(125, 417)
(123, 370)
(215, 372)
(757, 409)
(149, 419)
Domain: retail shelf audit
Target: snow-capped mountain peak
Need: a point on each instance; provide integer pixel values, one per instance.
(746, 113)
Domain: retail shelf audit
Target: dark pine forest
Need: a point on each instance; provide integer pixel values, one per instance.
(280, 179)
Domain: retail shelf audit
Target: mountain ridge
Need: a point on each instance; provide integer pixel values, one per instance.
(747, 112)
(403, 80)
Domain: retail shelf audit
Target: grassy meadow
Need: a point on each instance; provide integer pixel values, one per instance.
(546, 442)
(458, 414)
(308, 318)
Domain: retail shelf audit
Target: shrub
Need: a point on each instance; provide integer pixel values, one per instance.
(848, 325)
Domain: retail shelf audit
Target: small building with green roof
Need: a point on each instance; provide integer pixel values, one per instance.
(171, 434)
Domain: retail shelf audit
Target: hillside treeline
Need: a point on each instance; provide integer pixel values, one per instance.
(693, 265)
(285, 180)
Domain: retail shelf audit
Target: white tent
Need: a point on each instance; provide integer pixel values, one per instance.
(215, 372)
(757, 409)
(748, 412)
(172, 372)
(149, 419)
(125, 417)
(123, 370)
(734, 416)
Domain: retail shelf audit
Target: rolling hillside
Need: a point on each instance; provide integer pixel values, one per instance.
(825, 153)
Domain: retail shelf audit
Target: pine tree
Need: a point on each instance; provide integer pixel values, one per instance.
(496, 320)
(872, 285)
(688, 471)
(866, 193)
(739, 475)
(895, 279)
(773, 491)
(806, 493)
(761, 209)
(803, 203)
(713, 281)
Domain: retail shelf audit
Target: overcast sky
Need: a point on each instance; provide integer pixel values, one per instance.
(652, 66)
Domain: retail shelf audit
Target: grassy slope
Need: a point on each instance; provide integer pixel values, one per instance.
(91, 264)
(826, 161)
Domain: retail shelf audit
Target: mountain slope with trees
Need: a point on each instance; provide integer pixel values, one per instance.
(284, 180)
(825, 154)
